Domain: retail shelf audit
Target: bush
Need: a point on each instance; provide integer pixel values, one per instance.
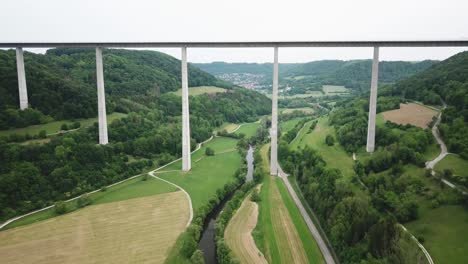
(448, 173)
(189, 246)
(104, 188)
(64, 127)
(60, 207)
(330, 140)
(197, 257)
(145, 177)
(209, 152)
(255, 197)
(42, 134)
(83, 201)
(75, 125)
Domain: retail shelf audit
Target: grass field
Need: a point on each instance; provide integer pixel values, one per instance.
(335, 156)
(199, 90)
(139, 230)
(307, 110)
(284, 235)
(238, 233)
(133, 188)
(288, 125)
(208, 173)
(455, 163)
(248, 129)
(334, 90)
(414, 114)
(54, 127)
(229, 127)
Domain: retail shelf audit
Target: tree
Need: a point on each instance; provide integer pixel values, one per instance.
(255, 197)
(197, 257)
(209, 151)
(42, 134)
(64, 127)
(189, 246)
(330, 140)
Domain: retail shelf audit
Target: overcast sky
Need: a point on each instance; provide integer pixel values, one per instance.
(243, 20)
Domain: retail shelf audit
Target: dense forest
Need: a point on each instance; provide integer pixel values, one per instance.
(35, 175)
(444, 82)
(62, 83)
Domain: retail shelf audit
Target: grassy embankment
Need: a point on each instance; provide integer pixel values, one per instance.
(281, 232)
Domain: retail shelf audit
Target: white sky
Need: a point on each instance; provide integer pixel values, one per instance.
(243, 20)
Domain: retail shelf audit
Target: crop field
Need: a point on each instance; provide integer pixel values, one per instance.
(335, 156)
(130, 189)
(139, 230)
(238, 234)
(54, 127)
(455, 163)
(208, 173)
(307, 110)
(334, 90)
(285, 237)
(199, 90)
(414, 114)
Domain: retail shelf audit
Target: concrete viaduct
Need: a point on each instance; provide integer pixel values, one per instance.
(186, 159)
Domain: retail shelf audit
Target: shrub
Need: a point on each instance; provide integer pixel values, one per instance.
(60, 207)
(145, 177)
(64, 127)
(255, 197)
(209, 152)
(189, 246)
(76, 125)
(83, 201)
(42, 134)
(104, 188)
(197, 257)
(330, 140)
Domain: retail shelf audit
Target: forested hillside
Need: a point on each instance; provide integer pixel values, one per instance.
(444, 82)
(35, 175)
(62, 82)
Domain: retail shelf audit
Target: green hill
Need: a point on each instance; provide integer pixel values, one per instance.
(62, 82)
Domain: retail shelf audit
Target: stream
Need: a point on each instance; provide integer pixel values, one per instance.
(207, 242)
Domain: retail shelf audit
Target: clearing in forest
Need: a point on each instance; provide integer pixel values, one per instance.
(199, 90)
(414, 114)
(238, 234)
(139, 230)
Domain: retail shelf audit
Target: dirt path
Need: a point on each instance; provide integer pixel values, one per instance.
(327, 255)
(238, 234)
(443, 148)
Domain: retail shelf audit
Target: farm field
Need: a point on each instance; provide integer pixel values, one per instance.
(54, 127)
(307, 110)
(134, 188)
(414, 114)
(334, 90)
(335, 156)
(455, 163)
(229, 127)
(199, 90)
(284, 237)
(238, 233)
(289, 124)
(139, 230)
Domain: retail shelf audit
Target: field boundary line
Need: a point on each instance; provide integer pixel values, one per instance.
(7, 222)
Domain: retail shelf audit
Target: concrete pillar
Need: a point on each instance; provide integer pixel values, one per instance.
(23, 91)
(373, 102)
(274, 118)
(103, 140)
(186, 158)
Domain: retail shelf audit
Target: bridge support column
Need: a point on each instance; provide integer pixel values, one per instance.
(274, 118)
(186, 158)
(23, 91)
(103, 139)
(373, 102)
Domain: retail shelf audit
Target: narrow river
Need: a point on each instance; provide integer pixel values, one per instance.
(207, 242)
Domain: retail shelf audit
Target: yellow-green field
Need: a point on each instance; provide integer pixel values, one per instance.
(334, 90)
(139, 230)
(199, 90)
(54, 127)
(238, 234)
(307, 110)
(455, 163)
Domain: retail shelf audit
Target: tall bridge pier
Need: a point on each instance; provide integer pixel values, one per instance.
(186, 159)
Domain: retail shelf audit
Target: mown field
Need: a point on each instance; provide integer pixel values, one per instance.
(54, 127)
(248, 129)
(307, 110)
(334, 90)
(139, 230)
(289, 124)
(414, 114)
(455, 163)
(199, 90)
(281, 231)
(238, 234)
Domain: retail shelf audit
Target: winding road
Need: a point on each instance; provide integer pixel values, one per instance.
(443, 148)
